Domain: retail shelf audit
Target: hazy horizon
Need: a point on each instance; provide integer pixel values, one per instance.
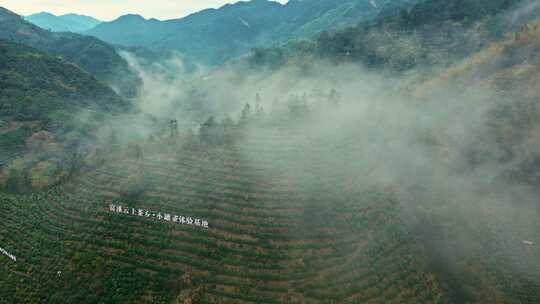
(107, 11)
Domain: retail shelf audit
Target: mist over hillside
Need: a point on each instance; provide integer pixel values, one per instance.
(458, 151)
(394, 161)
(48, 109)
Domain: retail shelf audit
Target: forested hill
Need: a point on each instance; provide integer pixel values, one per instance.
(213, 36)
(428, 34)
(89, 53)
(34, 85)
(47, 107)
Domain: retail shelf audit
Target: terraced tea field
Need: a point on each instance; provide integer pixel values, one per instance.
(12, 143)
(273, 237)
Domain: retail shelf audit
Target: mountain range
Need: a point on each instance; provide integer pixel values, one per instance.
(213, 36)
(64, 23)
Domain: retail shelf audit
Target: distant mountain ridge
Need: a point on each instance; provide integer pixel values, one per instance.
(89, 53)
(213, 36)
(65, 23)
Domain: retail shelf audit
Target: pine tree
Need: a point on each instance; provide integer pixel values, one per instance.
(245, 116)
(208, 128)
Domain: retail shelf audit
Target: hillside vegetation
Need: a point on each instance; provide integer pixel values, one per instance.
(42, 99)
(426, 36)
(268, 241)
(89, 53)
(510, 68)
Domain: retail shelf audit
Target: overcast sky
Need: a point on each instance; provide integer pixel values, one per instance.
(111, 9)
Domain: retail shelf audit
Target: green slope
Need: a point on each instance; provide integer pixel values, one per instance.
(41, 99)
(90, 54)
(34, 84)
(266, 243)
